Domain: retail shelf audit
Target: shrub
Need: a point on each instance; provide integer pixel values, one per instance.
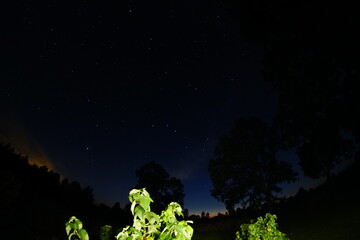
(105, 232)
(263, 229)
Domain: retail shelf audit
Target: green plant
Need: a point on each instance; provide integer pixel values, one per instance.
(105, 232)
(74, 227)
(146, 224)
(263, 229)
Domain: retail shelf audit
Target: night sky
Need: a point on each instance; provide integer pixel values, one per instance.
(96, 90)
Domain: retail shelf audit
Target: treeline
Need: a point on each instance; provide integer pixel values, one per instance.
(310, 58)
(36, 202)
(332, 205)
(337, 194)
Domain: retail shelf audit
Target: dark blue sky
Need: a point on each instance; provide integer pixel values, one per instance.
(96, 91)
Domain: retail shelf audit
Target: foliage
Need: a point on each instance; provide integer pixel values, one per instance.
(245, 169)
(315, 73)
(105, 232)
(262, 229)
(163, 188)
(149, 225)
(323, 151)
(74, 227)
(37, 196)
(146, 224)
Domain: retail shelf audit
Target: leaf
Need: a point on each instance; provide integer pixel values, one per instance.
(78, 224)
(83, 234)
(123, 234)
(185, 231)
(145, 201)
(67, 229)
(133, 208)
(137, 225)
(152, 229)
(72, 226)
(139, 212)
(165, 236)
(152, 218)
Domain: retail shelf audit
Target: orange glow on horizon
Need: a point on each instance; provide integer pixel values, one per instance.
(41, 161)
(12, 131)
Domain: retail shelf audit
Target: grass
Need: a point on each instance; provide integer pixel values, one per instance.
(217, 229)
(322, 224)
(213, 236)
(329, 225)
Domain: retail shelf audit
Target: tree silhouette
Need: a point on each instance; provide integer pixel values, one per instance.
(245, 169)
(311, 57)
(32, 197)
(186, 213)
(10, 184)
(323, 150)
(162, 188)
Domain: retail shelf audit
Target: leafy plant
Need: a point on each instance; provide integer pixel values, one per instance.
(146, 224)
(74, 227)
(149, 225)
(263, 229)
(105, 232)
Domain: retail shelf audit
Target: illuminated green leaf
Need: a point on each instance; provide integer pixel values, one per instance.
(67, 229)
(83, 234)
(139, 212)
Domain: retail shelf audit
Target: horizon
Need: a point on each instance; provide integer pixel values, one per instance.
(307, 185)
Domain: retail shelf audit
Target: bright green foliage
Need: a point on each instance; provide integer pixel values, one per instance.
(149, 225)
(263, 229)
(74, 228)
(105, 232)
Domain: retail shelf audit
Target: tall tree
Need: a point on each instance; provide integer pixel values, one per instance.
(311, 57)
(323, 150)
(163, 189)
(245, 169)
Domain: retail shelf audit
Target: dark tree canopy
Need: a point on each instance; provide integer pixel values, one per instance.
(323, 150)
(311, 54)
(245, 169)
(162, 188)
(35, 202)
